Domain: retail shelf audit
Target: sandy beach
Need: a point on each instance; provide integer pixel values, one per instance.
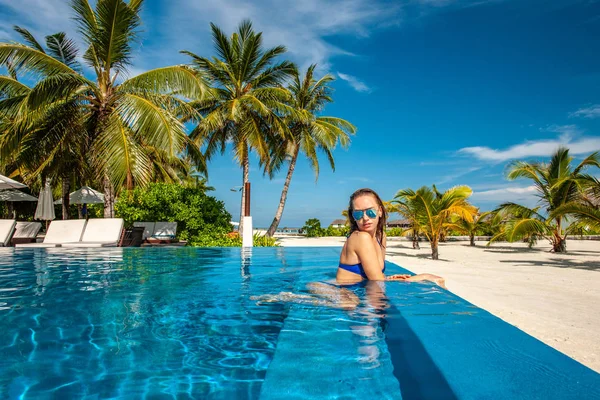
(553, 297)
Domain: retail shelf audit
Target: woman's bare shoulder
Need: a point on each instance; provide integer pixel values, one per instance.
(358, 237)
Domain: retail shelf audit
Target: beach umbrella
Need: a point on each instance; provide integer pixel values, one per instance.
(12, 195)
(45, 206)
(85, 195)
(7, 183)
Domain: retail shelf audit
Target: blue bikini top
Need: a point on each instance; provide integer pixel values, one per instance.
(358, 268)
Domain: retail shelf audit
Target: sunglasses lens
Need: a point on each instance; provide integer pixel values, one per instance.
(371, 213)
(357, 214)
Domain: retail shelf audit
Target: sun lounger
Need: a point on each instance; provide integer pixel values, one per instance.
(26, 232)
(100, 232)
(59, 233)
(164, 232)
(7, 227)
(148, 228)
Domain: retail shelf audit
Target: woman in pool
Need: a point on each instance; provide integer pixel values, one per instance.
(363, 254)
(362, 258)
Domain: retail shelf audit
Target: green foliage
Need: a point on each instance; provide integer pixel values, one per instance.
(312, 228)
(264, 241)
(397, 231)
(201, 219)
(215, 237)
(333, 231)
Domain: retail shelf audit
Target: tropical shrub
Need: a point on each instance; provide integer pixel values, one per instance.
(264, 241)
(312, 228)
(201, 219)
(333, 231)
(397, 231)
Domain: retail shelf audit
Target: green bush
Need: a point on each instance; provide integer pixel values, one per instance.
(217, 237)
(201, 220)
(397, 231)
(332, 231)
(264, 241)
(312, 228)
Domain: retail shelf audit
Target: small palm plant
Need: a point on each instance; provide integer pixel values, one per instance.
(560, 188)
(472, 227)
(585, 210)
(432, 210)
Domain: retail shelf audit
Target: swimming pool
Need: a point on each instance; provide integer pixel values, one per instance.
(180, 323)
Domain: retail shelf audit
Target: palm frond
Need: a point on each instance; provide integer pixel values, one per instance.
(63, 49)
(29, 38)
(146, 119)
(32, 60)
(177, 79)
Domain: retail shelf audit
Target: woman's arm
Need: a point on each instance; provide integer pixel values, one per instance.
(417, 278)
(362, 244)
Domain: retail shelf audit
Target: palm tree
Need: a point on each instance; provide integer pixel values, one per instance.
(48, 144)
(471, 227)
(432, 210)
(557, 184)
(246, 100)
(129, 127)
(586, 210)
(309, 132)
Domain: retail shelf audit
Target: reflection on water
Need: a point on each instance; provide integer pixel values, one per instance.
(188, 323)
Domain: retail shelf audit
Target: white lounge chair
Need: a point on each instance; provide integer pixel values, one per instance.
(7, 227)
(148, 228)
(100, 232)
(59, 233)
(164, 232)
(26, 232)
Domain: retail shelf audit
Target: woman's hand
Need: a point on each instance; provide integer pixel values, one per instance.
(397, 277)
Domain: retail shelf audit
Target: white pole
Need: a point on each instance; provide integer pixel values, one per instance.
(247, 240)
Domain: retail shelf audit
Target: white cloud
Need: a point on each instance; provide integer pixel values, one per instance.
(457, 174)
(40, 17)
(590, 112)
(301, 26)
(356, 83)
(539, 148)
(509, 193)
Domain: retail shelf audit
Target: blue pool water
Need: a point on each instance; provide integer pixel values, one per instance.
(185, 323)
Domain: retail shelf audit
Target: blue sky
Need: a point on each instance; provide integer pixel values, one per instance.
(442, 91)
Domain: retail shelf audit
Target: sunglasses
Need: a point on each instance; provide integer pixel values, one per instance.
(358, 214)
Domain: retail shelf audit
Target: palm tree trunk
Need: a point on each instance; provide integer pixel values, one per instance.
(284, 192)
(434, 249)
(472, 239)
(415, 240)
(66, 189)
(559, 245)
(245, 176)
(109, 198)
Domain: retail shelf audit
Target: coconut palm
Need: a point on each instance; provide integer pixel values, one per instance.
(409, 210)
(310, 133)
(129, 127)
(247, 99)
(48, 142)
(557, 183)
(432, 210)
(586, 210)
(476, 224)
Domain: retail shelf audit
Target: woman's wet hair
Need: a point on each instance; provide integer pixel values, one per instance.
(382, 220)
